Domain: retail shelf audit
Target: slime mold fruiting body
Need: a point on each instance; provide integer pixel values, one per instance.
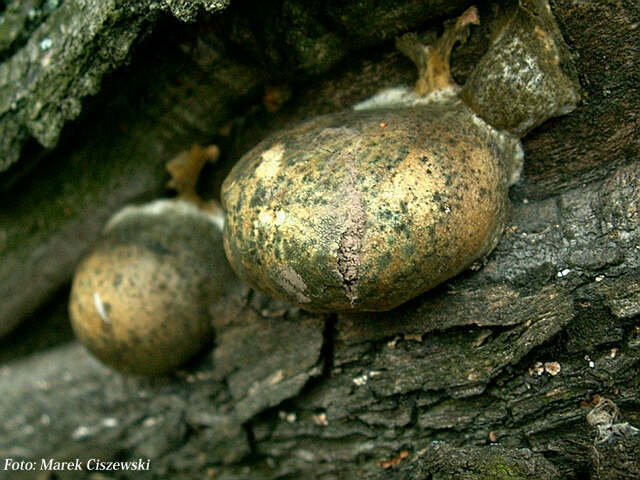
(364, 209)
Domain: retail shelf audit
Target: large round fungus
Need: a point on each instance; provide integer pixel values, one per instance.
(364, 209)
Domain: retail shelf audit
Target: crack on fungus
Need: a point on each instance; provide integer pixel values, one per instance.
(351, 240)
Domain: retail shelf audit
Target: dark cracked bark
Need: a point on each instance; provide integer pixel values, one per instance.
(491, 375)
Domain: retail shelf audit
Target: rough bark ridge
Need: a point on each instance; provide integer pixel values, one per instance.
(491, 375)
(56, 53)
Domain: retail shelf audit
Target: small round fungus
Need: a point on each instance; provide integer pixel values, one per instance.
(140, 299)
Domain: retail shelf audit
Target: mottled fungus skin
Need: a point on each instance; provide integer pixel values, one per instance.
(140, 299)
(340, 213)
(365, 209)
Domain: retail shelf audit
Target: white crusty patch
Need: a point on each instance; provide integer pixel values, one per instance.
(163, 207)
(518, 162)
(270, 165)
(389, 97)
(508, 143)
(97, 302)
(269, 216)
(403, 97)
(217, 218)
(294, 284)
(528, 68)
(443, 95)
(265, 217)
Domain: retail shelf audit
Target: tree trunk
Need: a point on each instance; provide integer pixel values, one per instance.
(525, 368)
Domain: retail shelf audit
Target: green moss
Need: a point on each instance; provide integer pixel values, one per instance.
(496, 468)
